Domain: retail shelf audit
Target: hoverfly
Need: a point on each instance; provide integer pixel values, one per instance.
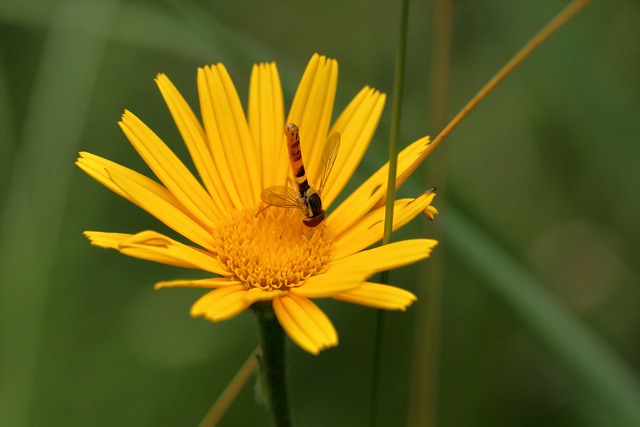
(305, 198)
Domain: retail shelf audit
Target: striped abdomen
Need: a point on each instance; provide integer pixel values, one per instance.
(311, 199)
(295, 157)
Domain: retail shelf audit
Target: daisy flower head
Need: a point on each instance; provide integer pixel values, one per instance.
(273, 252)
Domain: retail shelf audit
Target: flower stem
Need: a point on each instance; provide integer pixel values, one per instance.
(396, 108)
(396, 114)
(273, 365)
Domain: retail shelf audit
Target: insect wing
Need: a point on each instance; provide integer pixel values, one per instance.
(280, 196)
(328, 159)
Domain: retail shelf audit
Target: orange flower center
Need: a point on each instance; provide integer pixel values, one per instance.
(271, 249)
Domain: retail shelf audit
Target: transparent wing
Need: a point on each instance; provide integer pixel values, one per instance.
(280, 196)
(328, 159)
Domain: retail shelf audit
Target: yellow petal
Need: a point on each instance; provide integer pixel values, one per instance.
(96, 167)
(312, 108)
(356, 125)
(149, 243)
(169, 169)
(378, 296)
(222, 303)
(222, 164)
(266, 122)
(431, 212)
(228, 135)
(162, 209)
(152, 246)
(113, 240)
(97, 171)
(213, 282)
(370, 229)
(385, 257)
(196, 142)
(305, 323)
(106, 240)
(326, 285)
(257, 294)
(363, 199)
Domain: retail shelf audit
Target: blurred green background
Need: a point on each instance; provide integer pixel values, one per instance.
(539, 192)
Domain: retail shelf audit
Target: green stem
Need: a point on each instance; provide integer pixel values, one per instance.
(396, 112)
(396, 107)
(273, 365)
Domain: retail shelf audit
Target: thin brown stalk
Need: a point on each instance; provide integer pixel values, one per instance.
(423, 396)
(554, 25)
(232, 390)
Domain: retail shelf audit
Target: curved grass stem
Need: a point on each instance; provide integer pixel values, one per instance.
(231, 391)
(554, 25)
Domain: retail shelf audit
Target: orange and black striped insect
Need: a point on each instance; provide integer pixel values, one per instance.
(300, 194)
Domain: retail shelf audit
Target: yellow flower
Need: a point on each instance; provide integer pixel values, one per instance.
(257, 252)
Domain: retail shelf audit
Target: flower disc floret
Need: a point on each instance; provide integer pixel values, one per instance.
(271, 249)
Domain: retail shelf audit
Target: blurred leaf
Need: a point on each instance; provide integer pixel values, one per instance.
(596, 364)
(36, 196)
